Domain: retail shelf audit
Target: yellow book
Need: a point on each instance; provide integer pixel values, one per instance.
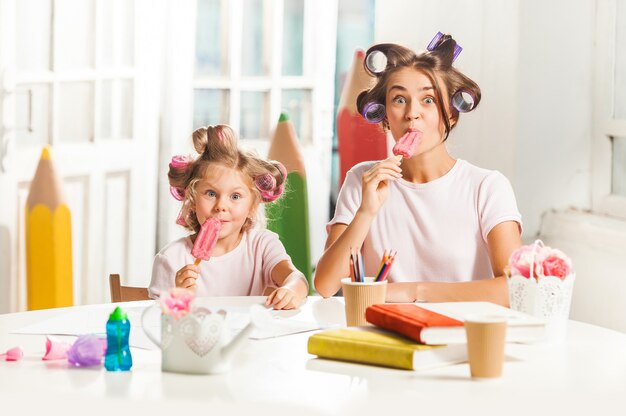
(374, 346)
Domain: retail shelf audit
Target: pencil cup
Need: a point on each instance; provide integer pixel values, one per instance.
(359, 295)
(485, 345)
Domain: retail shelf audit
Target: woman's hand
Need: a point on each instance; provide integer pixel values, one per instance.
(283, 298)
(375, 184)
(186, 277)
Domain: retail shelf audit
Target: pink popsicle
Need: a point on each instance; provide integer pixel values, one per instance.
(407, 144)
(206, 239)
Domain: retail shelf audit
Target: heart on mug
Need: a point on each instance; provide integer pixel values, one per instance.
(201, 330)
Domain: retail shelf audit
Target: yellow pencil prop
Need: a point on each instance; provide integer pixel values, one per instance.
(48, 240)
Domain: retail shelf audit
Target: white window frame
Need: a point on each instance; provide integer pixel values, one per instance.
(605, 125)
(273, 83)
(319, 48)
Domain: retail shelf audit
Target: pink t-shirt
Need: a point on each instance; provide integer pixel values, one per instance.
(439, 228)
(245, 271)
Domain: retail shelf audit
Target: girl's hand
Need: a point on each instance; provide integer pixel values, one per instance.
(186, 277)
(375, 184)
(283, 298)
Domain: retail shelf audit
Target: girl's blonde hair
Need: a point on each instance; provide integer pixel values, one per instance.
(436, 64)
(218, 145)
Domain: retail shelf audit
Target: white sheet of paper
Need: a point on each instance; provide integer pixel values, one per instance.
(92, 320)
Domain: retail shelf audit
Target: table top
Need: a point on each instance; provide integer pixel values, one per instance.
(584, 374)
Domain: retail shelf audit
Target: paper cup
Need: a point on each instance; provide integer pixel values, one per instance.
(359, 295)
(485, 345)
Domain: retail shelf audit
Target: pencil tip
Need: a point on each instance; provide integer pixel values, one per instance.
(45, 152)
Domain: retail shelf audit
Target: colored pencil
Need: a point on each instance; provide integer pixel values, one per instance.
(289, 216)
(49, 277)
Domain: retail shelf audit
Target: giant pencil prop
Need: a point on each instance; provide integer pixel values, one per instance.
(289, 216)
(48, 240)
(358, 140)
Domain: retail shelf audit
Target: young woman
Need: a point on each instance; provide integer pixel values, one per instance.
(454, 225)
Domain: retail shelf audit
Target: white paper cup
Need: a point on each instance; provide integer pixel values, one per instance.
(485, 345)
(359, 295)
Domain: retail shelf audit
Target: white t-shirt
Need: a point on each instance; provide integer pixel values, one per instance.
(439, 228)
(244, 271)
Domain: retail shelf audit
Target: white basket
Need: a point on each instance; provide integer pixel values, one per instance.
(548, 298)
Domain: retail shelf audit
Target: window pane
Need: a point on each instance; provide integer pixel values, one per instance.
(116, 109)
(105, 129)
(254, 114)
(297, 105)
(125, 108)
(619, 166)
(252, 38)
(74, 30)
(620, 61)
(39, 114)
(293, 27)
(210, 107)
(33, 34)
(118, 27)
(208, 38)
(75, 115)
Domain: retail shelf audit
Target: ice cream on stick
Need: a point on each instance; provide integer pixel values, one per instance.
(206, 240)
(406, 145)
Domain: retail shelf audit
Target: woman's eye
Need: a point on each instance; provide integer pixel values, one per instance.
(236, 196)
(429, 100)
(399, 100)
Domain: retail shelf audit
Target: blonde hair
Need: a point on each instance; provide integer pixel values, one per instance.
(217, 145)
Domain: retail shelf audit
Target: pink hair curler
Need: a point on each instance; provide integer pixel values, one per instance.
(179, 162)
(177, 193)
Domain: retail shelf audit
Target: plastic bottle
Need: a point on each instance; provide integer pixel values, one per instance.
(118, 356)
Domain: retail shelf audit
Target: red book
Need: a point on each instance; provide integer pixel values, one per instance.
(408, 319)
(442, 323)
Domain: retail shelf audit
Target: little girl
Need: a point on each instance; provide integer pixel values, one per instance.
(454, 224)
(228, 184)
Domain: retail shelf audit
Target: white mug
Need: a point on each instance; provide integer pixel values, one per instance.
(197, 343)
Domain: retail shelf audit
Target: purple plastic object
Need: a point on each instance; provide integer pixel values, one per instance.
(86, 351)
(433, 43)
(374, 112)
(464, 101)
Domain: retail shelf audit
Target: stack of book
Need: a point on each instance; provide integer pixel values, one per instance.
(418, 336)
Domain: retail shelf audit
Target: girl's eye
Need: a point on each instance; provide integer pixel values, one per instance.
(236, 196)
(399, 100)
(211, 194)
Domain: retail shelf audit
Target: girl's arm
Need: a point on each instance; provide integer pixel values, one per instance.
(503, 239)
(292, 287)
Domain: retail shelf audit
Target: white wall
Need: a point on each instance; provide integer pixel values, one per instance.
(533, 64)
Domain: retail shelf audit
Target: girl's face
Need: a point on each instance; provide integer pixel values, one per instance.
(225, 195)
(411, 105)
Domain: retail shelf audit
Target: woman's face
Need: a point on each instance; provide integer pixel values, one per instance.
(411, 104)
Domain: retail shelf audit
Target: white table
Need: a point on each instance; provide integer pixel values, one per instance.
(278, 376)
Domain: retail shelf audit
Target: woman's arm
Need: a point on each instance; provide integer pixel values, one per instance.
(503, 239)
(292, 287)
(335, 262)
